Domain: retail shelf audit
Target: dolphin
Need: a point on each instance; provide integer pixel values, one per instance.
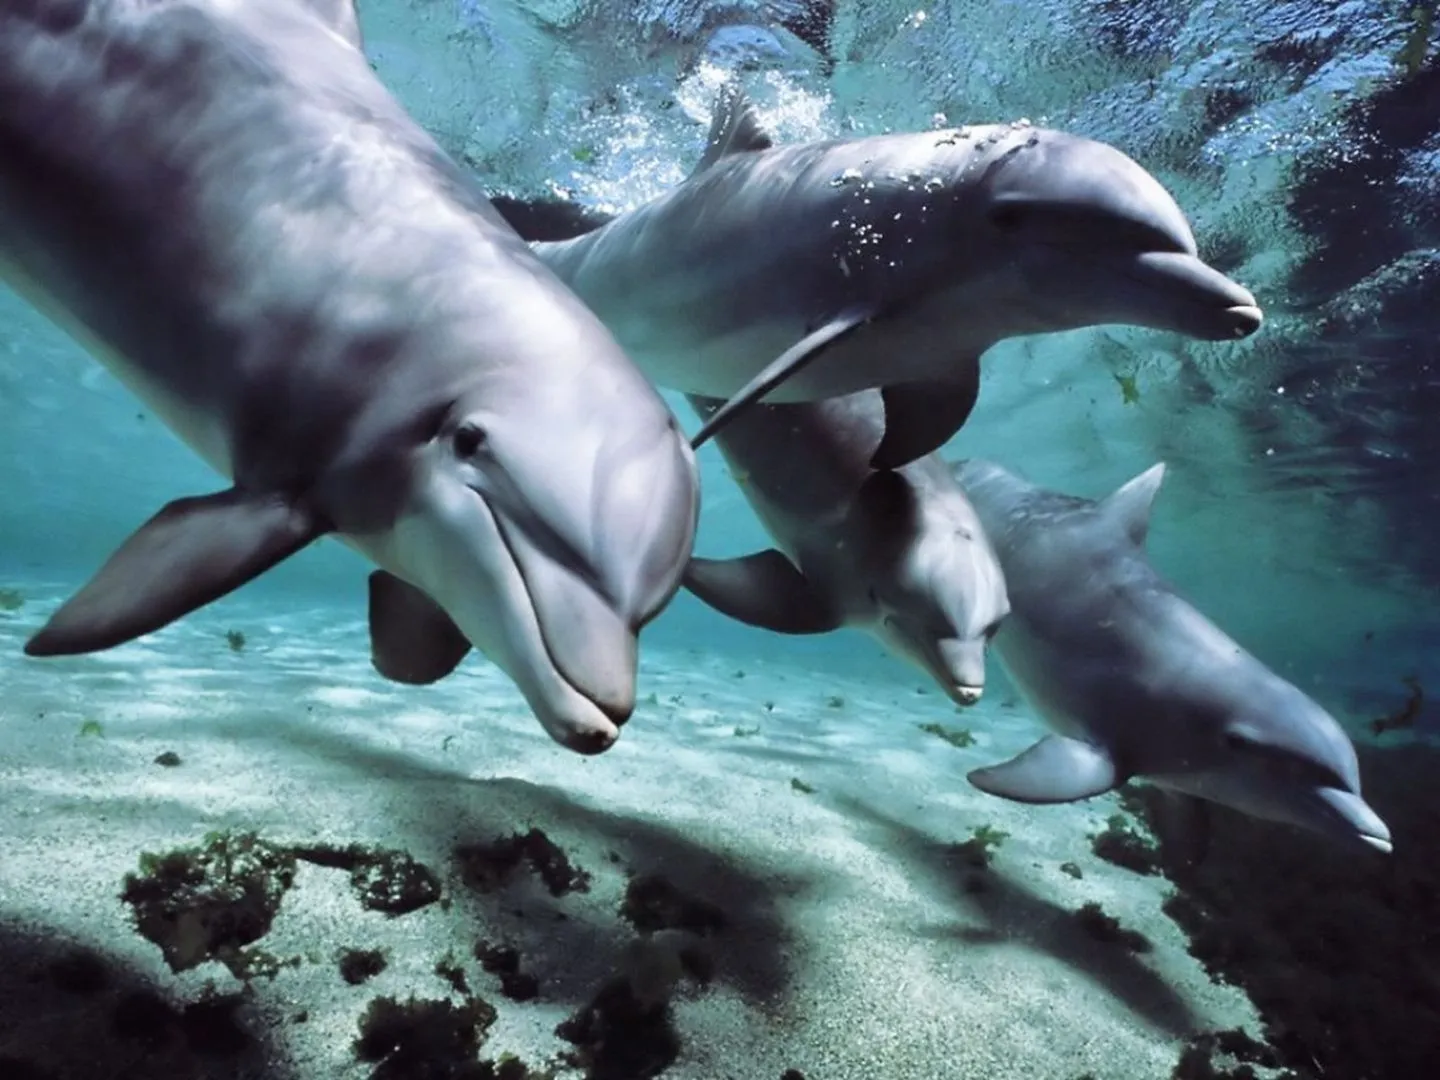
(897, 553)
(803, 272)
(222, 203)
(1135, 682)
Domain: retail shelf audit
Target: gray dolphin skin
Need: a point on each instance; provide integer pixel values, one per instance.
(221, 202)
(798, 273)
(1135, 682)
(900, 554)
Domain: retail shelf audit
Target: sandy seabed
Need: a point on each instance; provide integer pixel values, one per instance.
(859, 939)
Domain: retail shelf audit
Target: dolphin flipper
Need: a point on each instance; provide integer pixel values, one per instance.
(791, 362)
(921, 417)
(412, 640)
(764, 590)
(1054, 770)
(191, 553)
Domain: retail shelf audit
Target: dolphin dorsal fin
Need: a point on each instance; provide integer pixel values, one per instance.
(1129, 505)
(734, 128)
(340, 16)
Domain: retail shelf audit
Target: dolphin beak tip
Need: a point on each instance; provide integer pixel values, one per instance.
(1246, 319)
(966, 695)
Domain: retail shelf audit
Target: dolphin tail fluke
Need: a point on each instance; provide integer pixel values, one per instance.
(788, 364)
(1054, 770)
(764, 590)
(412, 640)
(921, 417)
(192, 552)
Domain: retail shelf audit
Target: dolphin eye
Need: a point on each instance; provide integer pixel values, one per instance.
(991, 631)
(470, 439)
(1235, 742)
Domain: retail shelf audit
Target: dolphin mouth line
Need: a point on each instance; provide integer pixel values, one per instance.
(555, 668)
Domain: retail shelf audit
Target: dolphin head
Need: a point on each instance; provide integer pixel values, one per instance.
(1087, 236)
(551, 525)
(1267, 749)
(936, 584)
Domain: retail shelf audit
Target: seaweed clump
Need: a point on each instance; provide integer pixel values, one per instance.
(619, 1036)
(211, 901)
(503, 961)
(653, 903)
(360, 965)
(419, 1039)
(1106, 928)
(1121, 844)
(1197, 1060)
(384, 880)
(486, 867)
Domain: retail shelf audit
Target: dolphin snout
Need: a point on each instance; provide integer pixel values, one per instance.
(1194, 298)
(1352, 818)
(964, 665)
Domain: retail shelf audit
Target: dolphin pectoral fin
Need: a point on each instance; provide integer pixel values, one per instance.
(412, 640)
(191, 553)
(789, 363)
(764, 590)
(1054, 770)
(921, 417)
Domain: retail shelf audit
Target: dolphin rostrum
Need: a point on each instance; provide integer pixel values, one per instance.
(797, 273)
(899, 553)
(222, 203)
(1135, 682)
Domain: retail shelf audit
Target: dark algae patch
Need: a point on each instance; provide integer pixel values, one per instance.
(503, 961)
(1337, 947)
(652, 903)
(1119, 843)
(1107, 928)
(361, 965)
(419, 1039)
(209, 902)
(383, 879)
(487, 867)
(618, 1037)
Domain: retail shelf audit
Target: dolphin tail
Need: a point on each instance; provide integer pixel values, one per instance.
(192, 552)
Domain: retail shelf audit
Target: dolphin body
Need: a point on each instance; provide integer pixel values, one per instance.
(900, 554)
(798, 273)
(224, 205)
(1135, 682)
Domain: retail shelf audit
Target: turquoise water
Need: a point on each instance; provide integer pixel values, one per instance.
(791, 781)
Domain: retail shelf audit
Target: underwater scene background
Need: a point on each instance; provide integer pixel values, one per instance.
(232, 849)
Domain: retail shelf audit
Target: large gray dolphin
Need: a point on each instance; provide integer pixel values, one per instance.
(1136, 683)
(224, 205)
(798, 273)
(898, 553)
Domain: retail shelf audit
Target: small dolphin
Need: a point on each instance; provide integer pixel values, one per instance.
(900, 554)
(225, 206)
(805, 272)
(1137, 683)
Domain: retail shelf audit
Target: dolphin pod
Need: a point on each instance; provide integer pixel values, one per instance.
(1135, 682)
(222, 203)
(804, 272)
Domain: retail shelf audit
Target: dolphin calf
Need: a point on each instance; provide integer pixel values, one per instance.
(900, 554)
(797, 273)
(1135, 682)
(221, 202)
